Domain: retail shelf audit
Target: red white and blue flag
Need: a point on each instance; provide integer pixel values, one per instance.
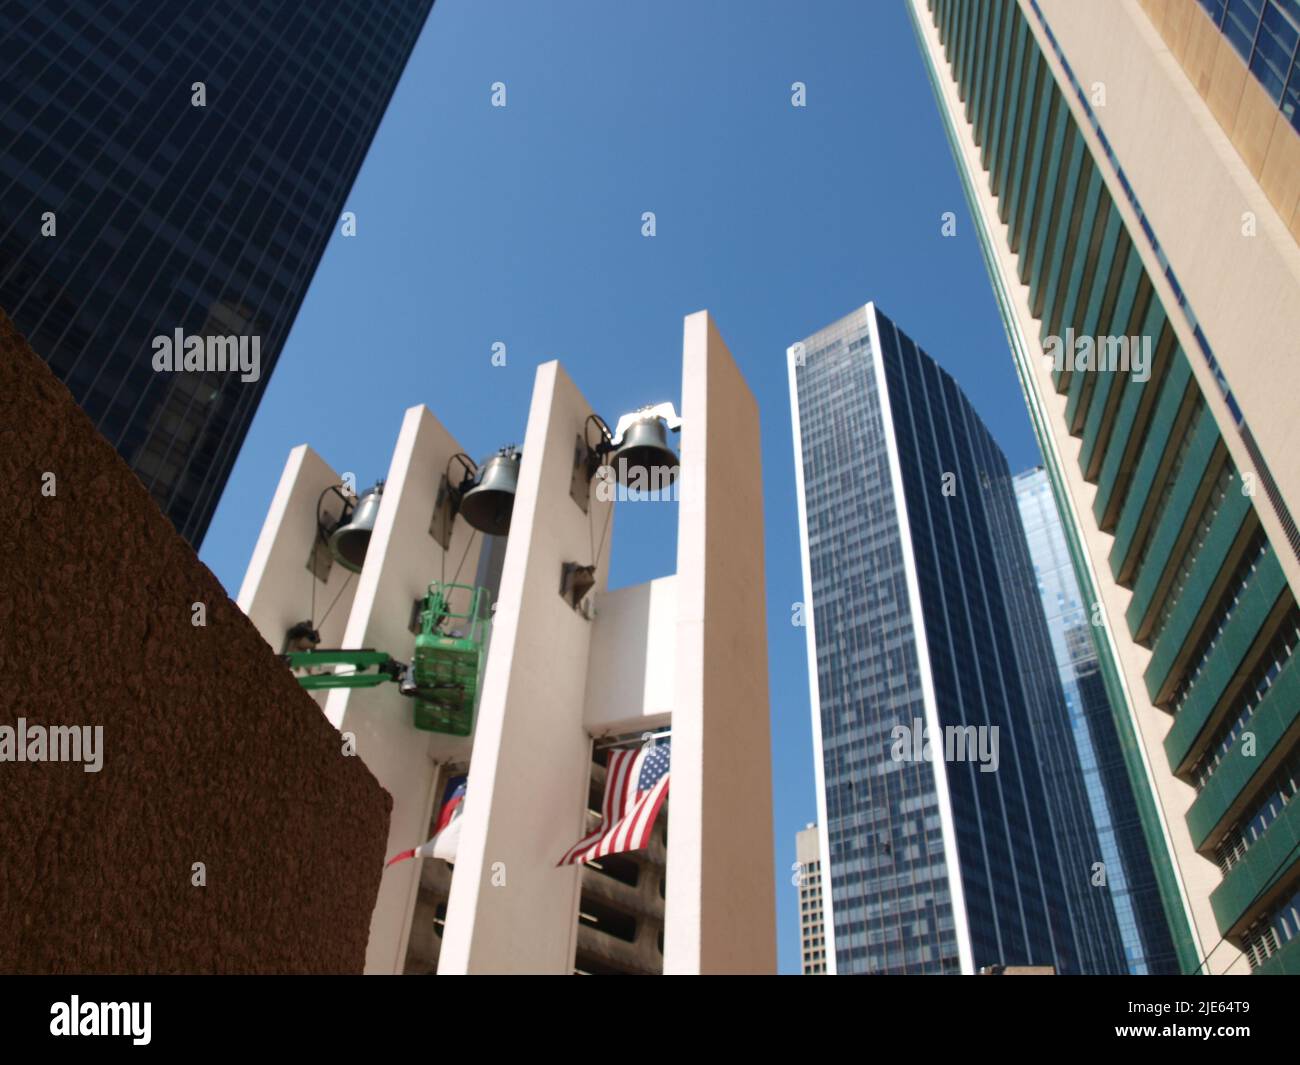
(446, 833)
(636, 785)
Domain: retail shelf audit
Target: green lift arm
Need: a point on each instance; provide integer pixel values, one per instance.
(387, 669)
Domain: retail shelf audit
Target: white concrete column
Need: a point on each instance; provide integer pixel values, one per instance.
(277, 589)
(511, 910)
(400, 562)
(720, 909)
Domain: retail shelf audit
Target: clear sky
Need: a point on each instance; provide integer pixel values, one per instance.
(522, 225)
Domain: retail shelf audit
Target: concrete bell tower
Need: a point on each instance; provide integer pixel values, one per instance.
(685, 651)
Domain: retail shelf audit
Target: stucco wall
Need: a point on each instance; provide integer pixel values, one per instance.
(210, 751)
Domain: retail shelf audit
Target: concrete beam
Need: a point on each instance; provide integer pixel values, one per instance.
(630, 684)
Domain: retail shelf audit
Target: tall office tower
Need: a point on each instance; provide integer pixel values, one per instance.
(1133, 172)
(925, 627)
(812, 917)
(176, 170)
(1130, 878)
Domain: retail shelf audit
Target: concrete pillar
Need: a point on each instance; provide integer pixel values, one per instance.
(400, 562)
(511, 910)
(720, 912)
(278, 585)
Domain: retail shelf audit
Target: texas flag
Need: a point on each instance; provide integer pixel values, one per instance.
(446, 834)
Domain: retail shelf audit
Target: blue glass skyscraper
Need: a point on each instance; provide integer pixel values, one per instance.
(1130, 879)
(924, 619)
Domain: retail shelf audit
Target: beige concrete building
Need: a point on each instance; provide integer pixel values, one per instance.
(1242, 96)
(571, 665)
(815, 956)
(1133, 172)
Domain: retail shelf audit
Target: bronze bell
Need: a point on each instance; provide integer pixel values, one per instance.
(488, 498)
(351, 537)
(641, 452)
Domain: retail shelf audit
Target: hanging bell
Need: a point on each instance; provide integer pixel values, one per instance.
(488, 497)
(641, 456)
(351, 537)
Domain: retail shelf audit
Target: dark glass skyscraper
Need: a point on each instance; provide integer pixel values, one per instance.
(1130, 878)
(172, 167)
(926, 623)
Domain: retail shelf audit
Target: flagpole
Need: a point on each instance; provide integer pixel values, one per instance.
(645, 739)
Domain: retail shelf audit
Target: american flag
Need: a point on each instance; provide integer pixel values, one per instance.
(636, 784)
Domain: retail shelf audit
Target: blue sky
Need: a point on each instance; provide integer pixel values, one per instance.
(522, 225)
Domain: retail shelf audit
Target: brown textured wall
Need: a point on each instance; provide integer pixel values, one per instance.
(211, 752)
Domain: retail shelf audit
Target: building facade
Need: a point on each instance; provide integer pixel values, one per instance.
(176, 170)
(813, 947)
(1133, 173)
(620, 929)
(954, 824)
(1242, 57)
(1130, 879)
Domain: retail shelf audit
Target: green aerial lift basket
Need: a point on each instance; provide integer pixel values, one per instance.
(449, 657)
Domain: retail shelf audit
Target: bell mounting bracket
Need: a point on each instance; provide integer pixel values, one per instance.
(320, 561)
(587, 459)
(575, 582)
(446, 504)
